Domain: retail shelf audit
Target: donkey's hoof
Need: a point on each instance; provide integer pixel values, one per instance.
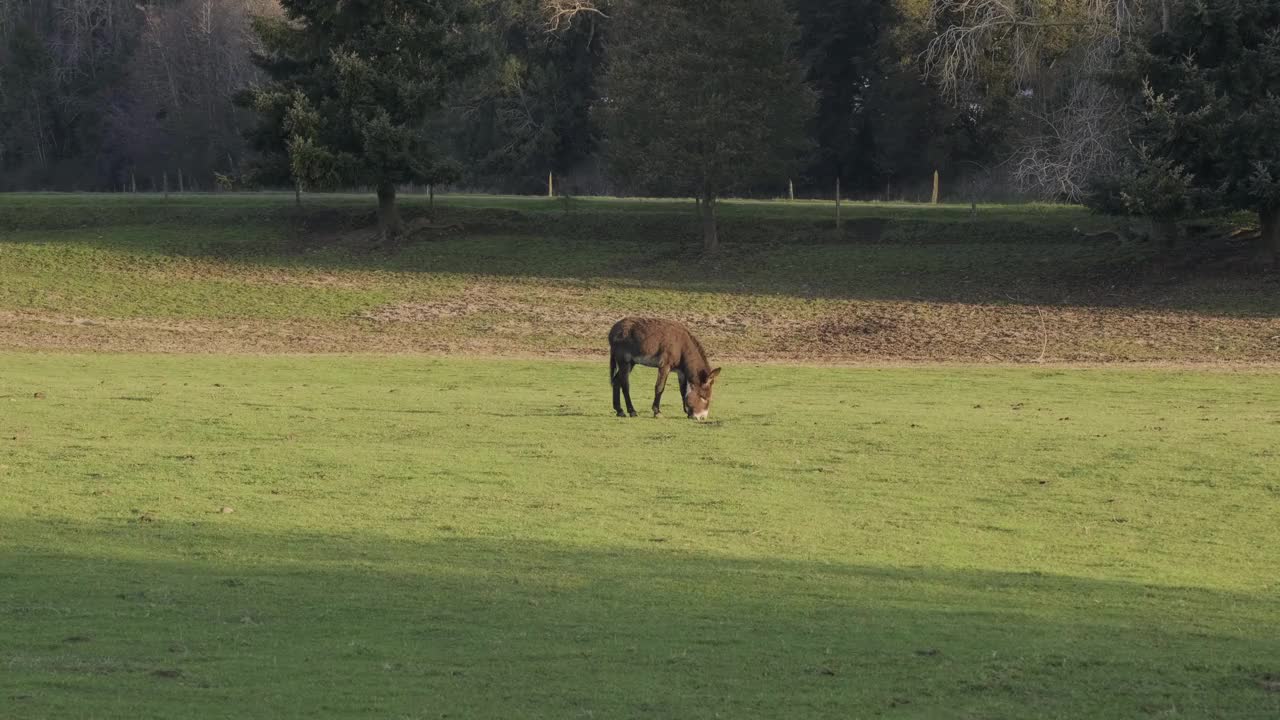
(634, 414)
(621, 414)
(657, 414)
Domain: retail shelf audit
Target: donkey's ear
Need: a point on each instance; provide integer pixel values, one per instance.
(712, 377)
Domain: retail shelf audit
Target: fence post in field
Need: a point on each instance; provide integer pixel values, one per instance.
(791, 190)
(133, 182)
(839, 220)
(935, 187)
(166, 184)
(551, 185)
(182, 182)
(431, 200)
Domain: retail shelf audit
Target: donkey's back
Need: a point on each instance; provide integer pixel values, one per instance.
(654, 342)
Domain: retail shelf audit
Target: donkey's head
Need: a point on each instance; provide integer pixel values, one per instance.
(698, 396)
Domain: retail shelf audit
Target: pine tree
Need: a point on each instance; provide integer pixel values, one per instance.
(703, 97)
(530, 114)
(354, 88)
(1208, 129)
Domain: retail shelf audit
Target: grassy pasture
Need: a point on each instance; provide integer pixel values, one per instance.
(451, 537)
(522, 276)
(253, 465)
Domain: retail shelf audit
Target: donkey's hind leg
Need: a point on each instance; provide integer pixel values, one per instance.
(615, 379)
(624, 377)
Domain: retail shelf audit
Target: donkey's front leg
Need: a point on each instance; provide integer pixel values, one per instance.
(657, 390)
(684, 392)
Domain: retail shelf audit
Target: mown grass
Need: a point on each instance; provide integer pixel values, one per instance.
(256, 257)
(60, 208)
(452, 537)
(462, 538)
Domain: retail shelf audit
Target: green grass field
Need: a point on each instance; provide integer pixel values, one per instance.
(510, 276)
(451, 537)
(254, 466)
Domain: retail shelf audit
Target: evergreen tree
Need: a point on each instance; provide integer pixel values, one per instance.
(703, 97)
(1207, 132)
(530, 113)
(842, 43)
(354, 89)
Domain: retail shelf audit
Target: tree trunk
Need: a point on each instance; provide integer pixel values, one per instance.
(1271, 236)
(431, 200)
(1165, 232)
(388, 214)
(710, 236)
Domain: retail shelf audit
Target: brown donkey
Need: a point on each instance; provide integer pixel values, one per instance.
(667, 346)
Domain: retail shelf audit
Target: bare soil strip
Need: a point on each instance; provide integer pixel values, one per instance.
(505, 320)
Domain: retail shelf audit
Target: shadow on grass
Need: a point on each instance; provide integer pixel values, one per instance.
(206, 618)
(1002, 255)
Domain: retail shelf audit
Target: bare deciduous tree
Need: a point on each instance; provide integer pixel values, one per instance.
(1072, 139)
(561, 13)
(194, 55)
(1018, 36)
(1052, 53)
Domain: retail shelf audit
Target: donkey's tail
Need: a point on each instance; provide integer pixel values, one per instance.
(613, 366)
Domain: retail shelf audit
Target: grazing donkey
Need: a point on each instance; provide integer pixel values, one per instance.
(667, 346)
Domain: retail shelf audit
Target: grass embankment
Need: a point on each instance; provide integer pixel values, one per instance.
(462, 538)
(519, 276)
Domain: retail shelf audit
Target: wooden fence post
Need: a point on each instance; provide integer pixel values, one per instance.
(935, 187)
(839, 219)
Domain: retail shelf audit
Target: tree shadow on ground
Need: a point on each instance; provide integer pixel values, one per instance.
(211, 618)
